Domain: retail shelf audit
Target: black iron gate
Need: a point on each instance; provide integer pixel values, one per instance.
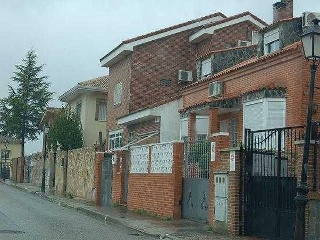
(195, 199)
(270, 182)
(106, 181)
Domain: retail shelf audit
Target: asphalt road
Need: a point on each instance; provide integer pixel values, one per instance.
(26, 216)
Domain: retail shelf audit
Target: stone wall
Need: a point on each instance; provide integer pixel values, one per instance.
(36, 169)
(80, 174)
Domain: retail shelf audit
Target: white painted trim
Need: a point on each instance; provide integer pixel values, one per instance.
(123, 50)
(220, 134)
(203, 33)
(116, 131)
(135, 116)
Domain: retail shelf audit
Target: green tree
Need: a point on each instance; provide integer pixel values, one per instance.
(65, 131)
(21, 111)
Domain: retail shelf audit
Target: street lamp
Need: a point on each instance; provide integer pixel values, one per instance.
(43, 183)
(311, 47)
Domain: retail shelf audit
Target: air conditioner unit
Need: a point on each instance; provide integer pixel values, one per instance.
(185, 76)
(307, 18)
(215, 89)
(242, 43)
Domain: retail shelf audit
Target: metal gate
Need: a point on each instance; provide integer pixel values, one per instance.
(195, 199)
(106, 181)
(126, 179)
(270, 182)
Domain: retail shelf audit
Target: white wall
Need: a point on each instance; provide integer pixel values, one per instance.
(170, 120)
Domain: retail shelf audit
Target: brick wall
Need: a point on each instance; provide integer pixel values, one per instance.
(158, 193)
(155, 61)
(119, 72)
(118, 180)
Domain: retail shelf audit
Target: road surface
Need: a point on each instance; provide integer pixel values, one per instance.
(26, 216)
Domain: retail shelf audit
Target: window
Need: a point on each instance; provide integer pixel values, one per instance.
(264, 113)
(206, 68)
(101, 110)
(271, 41)
(273, 46)
(115, 139)
(132, 136)
(78, 109)
(5, 154)
(117, 94)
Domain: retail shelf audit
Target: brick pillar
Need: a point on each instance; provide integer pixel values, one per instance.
(213, 121)
(177, 175)
(118, 181)
(234, 196)
(192, 126)
(97, 180)
(221, 142)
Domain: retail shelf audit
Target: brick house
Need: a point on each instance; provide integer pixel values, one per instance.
(244, 74)
(144, 88)
(267, 91)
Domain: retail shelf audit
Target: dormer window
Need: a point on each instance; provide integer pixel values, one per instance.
(271, 41)
(273, 46)
(206, 68)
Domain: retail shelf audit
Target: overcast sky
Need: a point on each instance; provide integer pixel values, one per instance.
(70, 36)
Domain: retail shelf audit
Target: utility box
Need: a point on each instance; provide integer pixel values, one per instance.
(221, 196)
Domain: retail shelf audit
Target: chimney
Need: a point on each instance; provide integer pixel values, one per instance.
(282, 10)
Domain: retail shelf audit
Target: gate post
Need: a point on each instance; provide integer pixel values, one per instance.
(97, 180)
(118, 181)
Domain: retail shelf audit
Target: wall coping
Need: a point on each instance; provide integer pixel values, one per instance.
(300, 142)
(221, 172)
(220, 134)
(230, 149)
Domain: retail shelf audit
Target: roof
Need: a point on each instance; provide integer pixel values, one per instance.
(126, 47)
(209, 29)
(174, 27)
(9, 140)
(99, 84)
(275, 24)
(246, 63)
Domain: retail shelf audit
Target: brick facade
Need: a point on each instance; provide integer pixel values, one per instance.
(158, 193)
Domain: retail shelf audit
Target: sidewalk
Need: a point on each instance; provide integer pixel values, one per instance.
(171, 229)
